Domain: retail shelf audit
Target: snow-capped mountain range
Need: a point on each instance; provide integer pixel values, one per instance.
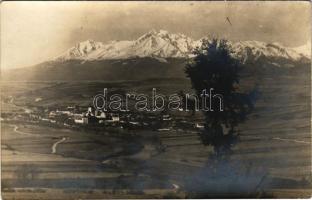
(157, 54)
(162, 44)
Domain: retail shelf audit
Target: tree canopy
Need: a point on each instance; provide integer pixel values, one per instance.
(215, 67)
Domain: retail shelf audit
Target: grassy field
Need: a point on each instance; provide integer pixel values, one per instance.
(272, 159)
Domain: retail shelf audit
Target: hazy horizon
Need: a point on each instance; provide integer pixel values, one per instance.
(33, 32)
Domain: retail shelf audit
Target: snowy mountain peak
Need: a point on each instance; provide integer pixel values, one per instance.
(81, 50)
(163, 44)
(163, 32)
(159, 32)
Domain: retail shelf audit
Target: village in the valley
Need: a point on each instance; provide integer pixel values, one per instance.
(89, 117)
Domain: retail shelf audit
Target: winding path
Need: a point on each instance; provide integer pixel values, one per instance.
(281, 139)
(21, 132)
(15, 129)
(56, 143)
(291, 140)
(175, 186)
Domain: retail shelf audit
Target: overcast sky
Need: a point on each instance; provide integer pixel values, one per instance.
(32, 32)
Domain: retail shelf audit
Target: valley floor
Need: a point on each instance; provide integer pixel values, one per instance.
(272, 158)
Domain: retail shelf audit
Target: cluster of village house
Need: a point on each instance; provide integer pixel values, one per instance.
(76, 116)
(91, 116)
(67, 116)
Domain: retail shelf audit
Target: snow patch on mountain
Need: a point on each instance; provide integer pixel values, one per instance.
(304, 49)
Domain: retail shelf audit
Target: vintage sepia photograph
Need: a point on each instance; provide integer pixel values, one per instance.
(155, 100)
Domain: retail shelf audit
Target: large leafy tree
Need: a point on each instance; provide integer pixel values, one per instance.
(214, 67)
